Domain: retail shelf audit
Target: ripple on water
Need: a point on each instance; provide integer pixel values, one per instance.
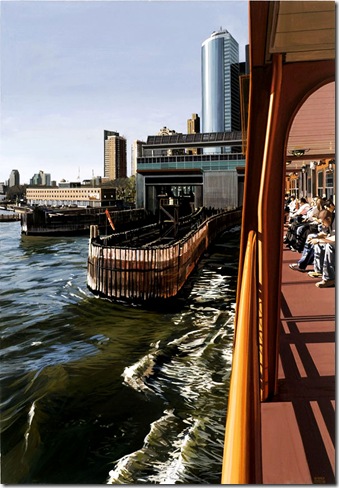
(115, 392)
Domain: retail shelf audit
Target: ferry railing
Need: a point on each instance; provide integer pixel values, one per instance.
(242, 448)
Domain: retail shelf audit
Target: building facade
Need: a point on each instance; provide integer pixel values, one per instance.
(220, 83)
(41, 178)
(14, 178)
(193, 127)
(168, 167)
(136, 152)
(193, 124)
(115, 155)
(73, 194)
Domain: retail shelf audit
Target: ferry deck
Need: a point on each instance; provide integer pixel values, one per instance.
(298, 426)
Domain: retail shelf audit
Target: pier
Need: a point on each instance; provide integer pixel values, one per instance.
(130, 267)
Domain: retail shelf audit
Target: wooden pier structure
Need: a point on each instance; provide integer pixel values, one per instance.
(142, 264)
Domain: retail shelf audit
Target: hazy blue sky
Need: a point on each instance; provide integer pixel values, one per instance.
(70, 69)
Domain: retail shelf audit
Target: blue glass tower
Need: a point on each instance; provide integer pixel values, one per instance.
(220, 83)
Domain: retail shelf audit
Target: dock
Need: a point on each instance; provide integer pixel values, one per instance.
(298, 425)
(146, 264)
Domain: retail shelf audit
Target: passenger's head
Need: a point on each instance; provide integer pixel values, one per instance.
(329, 205)
(326, 217)
(320, 202)
(303, 200)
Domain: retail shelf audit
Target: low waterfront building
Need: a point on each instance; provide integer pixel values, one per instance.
(211, 180)
(79, 195)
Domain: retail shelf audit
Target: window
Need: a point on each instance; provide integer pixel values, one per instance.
(320, 183)
(329, 190)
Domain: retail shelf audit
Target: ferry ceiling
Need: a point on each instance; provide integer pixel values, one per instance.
(304, 32)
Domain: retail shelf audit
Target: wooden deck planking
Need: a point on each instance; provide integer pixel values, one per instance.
(298, 425)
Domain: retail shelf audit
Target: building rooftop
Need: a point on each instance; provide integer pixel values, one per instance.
(195, 140)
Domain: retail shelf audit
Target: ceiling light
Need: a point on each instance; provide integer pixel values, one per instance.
(298, 152)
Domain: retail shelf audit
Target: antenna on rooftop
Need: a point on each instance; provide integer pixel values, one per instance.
(79, 173)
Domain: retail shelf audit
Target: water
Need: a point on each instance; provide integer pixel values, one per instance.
(98, 392)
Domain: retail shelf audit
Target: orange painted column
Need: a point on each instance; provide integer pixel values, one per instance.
(270, 211)
(256, 132)
(262, 210)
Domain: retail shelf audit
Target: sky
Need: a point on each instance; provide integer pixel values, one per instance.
(71, 69)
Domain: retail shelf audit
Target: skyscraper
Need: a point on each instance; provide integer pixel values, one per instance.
(193, 127)
(14, 178)
(220, 83)
(41, 178)
(115, 156)
(193, 124)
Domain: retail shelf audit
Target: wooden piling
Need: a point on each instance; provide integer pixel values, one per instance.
(150, 271)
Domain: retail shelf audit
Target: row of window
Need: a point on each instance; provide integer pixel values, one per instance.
(52, 194)
(190, 159)
(323, 184)
(59, 194)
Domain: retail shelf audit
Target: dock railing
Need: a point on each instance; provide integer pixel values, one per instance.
(242, 447)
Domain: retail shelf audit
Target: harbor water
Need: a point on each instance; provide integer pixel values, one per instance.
(97, 392)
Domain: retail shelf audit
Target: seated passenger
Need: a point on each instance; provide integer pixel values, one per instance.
(292, 204)
(296, 220)
(324, 229)
(304, 207)
(324, 262)
(309, 224)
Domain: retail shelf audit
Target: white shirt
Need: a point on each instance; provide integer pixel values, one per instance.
(303, 209)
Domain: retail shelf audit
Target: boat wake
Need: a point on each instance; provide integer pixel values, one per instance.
(181, 371)
(164, 466)
(136, 375)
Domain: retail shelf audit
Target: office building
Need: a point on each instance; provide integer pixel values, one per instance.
(14, 178)
(41, 179)
(193, 127)
(220, 83)
(193, 124)
(115, 155)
